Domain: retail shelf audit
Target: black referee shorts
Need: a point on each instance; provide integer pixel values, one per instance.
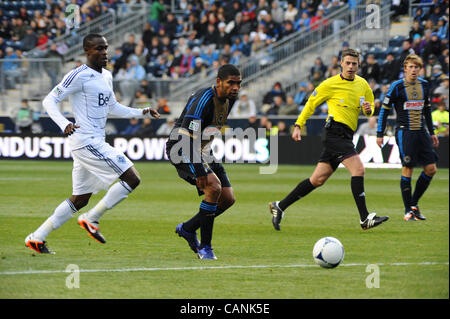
(337, 141)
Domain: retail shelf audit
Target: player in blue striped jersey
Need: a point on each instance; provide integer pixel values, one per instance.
(206, 110)
(414, 133)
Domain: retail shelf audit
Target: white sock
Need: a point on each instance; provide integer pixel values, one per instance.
(115, 194)
(62, 214)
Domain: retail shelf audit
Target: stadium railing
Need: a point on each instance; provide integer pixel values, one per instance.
(273, 54)
(27, 79)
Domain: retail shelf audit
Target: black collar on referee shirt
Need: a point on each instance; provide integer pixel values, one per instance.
(342, 77)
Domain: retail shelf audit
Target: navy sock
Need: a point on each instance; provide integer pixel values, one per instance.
(301, 190)
(207, 214)
(405, 186)
(357, 185)
(421, 186)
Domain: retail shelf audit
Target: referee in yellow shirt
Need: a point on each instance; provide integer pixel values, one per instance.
(345, 94)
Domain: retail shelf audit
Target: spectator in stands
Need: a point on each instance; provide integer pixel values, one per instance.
(276, 90)
(156, 14)
(416, 28)
(318, 66)
(277, 12)
(441, 120)
(147, 34)
(334, 68)
(283, 129)
(11, 68)
(170, 25)
(53, 69)
(253, 123)
(129, 46)
(275, 107)
(132, 127)
(443, 90)
(129, 78)
(300, 96)
(369, 127)
(291, 13)
(290, 108)
(139, 100)
(431, 62)
(30, 39)
(24, 117)
(244, 107)
(118, 60)
(303, 22)
(375, 87)
(370, 68)
(154, 49)
(146, 129)
(317, 78)
(288, 29)
(437, 76)
(211, 36)
(442, 28)
(166, 127)
(418, 44)
(406, 50)
(163, 107)
(318, 20)
(434, 46)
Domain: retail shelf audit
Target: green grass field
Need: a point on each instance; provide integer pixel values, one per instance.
(144, 258)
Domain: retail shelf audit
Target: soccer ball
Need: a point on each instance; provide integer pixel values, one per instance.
(328, 252)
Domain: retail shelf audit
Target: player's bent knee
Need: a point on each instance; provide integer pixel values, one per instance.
(79, 201)
(431, 170)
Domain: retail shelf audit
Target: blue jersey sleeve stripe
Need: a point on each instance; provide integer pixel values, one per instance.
(203, 102)
(380, 120)
(72, 76)
(393, 86)
(193, 116)
(190, 103)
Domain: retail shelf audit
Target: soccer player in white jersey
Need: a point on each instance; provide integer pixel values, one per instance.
(96, 164)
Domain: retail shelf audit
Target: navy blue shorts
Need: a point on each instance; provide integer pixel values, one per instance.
(186, 172)
(415, 147)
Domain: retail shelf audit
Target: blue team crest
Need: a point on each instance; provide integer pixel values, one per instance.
(120, 159)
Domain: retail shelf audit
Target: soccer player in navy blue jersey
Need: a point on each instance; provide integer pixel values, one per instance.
(414, 133)
(207, 109)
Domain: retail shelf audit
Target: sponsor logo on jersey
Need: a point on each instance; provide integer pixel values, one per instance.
(413, 105)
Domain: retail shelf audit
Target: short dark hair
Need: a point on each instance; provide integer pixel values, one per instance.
(227, 70)
(350, 52)
(87, 41)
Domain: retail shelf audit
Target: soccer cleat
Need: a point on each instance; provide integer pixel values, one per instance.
(277, 214)
(417, 214)
(91, 228)
(191, 238)
(409, 216)
(38, 245)
(372, 221)
(206, 253)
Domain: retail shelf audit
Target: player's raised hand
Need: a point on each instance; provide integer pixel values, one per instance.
(296, 135)
(154, 113)
(70, 128)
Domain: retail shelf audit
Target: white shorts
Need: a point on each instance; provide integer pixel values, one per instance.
(96, 167)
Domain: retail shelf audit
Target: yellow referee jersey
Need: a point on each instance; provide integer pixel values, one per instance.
(343, 97)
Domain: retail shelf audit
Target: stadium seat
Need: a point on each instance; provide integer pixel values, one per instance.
(396, 41)
(7, 6)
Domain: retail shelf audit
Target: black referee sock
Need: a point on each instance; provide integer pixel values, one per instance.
(301, 190)
(405, 186)
(357, 185)
(421, 186)
(207, 214)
